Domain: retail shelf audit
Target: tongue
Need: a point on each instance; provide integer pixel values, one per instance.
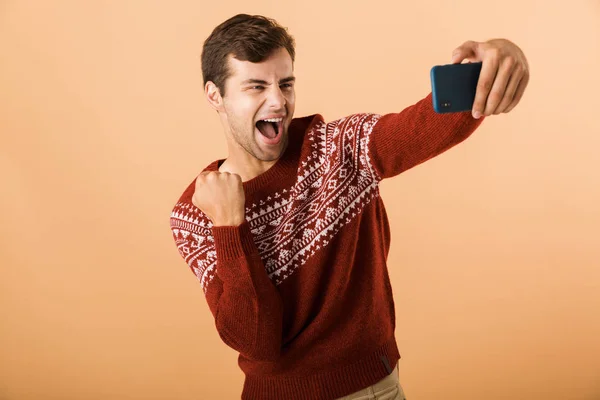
(267, 129)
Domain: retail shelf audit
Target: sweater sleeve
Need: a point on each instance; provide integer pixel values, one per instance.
(246, 305)
(400, 141)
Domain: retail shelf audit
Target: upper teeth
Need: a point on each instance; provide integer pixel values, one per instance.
(273, 119)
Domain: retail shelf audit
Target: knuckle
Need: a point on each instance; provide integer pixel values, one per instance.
(518, 97)
(493, 52)
(511, 61)
(485, 84)
(503, 104)
(495, 97)
(518, 69)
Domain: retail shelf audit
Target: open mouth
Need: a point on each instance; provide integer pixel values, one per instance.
(270, 129)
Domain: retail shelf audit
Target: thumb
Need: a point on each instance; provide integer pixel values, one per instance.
(467, 50)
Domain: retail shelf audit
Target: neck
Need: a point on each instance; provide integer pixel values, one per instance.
(246, 169)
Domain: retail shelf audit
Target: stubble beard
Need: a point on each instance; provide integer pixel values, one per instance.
(248, 142)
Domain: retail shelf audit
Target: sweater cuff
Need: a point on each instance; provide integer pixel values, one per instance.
(233, 242)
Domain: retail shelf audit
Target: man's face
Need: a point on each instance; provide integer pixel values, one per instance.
(254, 93)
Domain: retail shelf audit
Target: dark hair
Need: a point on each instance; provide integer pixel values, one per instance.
(248, 38)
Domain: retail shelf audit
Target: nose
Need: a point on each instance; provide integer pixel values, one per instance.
(276, 100)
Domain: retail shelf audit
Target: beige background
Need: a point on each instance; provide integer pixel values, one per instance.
(495, 259)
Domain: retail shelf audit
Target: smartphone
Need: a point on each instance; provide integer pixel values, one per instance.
(453, 86)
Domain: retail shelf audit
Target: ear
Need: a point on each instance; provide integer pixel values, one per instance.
(213, 96)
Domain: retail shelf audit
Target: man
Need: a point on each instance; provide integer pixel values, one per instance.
(288, 235)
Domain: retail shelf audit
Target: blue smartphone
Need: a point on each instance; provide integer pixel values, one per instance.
(453, 86)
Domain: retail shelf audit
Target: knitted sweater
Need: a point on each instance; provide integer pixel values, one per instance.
(301, 288)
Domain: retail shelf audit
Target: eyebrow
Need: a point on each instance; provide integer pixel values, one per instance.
(261, 82)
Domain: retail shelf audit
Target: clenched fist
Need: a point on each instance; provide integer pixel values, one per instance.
(220, 195)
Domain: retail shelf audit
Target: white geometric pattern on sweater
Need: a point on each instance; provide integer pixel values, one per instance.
(335, 182)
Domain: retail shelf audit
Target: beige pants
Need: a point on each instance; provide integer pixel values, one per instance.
(386, 389)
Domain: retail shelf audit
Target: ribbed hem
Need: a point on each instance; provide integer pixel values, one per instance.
(328, 385)
(233, 242)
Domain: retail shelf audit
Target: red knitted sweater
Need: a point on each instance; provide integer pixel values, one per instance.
(301, 288)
